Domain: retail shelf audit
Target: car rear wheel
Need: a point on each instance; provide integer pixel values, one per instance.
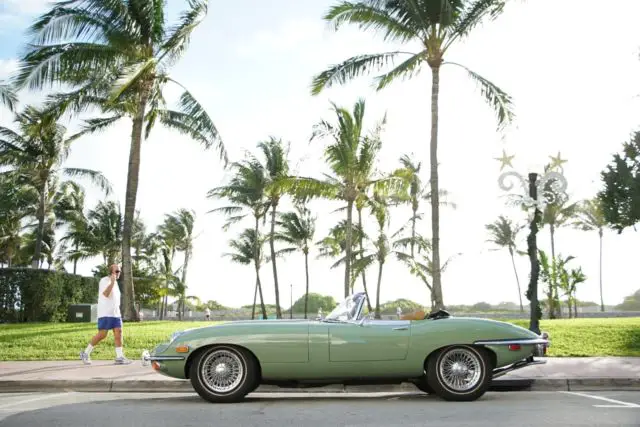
(459, 373)
(223, 374)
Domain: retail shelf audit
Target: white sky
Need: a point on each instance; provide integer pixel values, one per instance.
(572, 70)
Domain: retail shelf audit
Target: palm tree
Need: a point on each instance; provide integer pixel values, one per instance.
(247, 194)
(297, 229)
(71, 212)
(379, 207)
(590, 217)
(556, 215)
(351, 156)
(247, 249)
(101, 234)
(178, 227)
(435, 25)
(410, 172)
(504, 234)
(277, 168)
(116, 56)
(36, 154)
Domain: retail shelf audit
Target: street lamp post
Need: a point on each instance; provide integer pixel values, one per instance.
(291, 301)
(538, 193)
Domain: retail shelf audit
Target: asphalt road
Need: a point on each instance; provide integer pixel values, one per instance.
(548, 409)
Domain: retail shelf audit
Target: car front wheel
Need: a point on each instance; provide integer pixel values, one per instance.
(223, 374)
(459, 373)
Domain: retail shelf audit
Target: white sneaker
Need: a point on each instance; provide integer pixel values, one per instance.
(123, 361)
(85, 358)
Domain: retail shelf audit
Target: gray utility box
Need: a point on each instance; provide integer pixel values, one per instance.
(83, 313)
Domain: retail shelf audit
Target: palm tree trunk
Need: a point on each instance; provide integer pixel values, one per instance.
(600, 273)
(347, 263)
(273, 260)
(414, 210)
(40, 232)
(255, 297)
(435, 192)
(364, 280)
(380, 265)
(256, 262)
(513, 262)
(75, 261)
(130, 204)
(306, 272)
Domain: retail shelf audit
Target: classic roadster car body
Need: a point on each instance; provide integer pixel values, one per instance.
(453, 357)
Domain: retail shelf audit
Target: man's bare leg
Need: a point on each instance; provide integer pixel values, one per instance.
(120, 359)
(85, 355)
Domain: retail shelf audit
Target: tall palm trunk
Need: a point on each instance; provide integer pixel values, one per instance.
(40, 232)
(256, 262)
(130, 204)
(435, 193)
(255, 297)
(513, 262)
(75, 261)
(600, 272)
(364, 280)
(187, 257)
(347, 263)
(414, 209)
(306, 273)
(273, 260)
(380, 265)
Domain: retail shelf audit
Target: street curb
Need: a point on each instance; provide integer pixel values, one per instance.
(178, 386)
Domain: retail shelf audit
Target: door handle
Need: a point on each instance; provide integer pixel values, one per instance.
(401, 328)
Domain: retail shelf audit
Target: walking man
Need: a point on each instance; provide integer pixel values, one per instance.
(109, 317)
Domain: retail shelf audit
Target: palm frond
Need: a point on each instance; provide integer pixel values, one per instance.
(192, 119)
(499, 100)
(406, 70)
(68, 62)
(94, 125)
(178, 41)
(96, 177)
(8, 98)
(368, 15)
(130, 76)
(473, 16)
(352, 68)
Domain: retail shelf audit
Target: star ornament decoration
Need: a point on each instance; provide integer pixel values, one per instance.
(556, 162)
(505, 160)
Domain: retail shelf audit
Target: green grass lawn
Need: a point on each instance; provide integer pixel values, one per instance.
(63, 341)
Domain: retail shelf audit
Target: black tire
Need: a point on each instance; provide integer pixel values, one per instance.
(244, 381)
(423, 385)
(474, 357)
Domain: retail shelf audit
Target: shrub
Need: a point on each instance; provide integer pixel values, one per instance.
(35, 295)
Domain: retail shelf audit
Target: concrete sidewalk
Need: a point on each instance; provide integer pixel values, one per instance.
(590, 373)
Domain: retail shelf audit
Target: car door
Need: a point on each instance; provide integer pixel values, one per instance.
(373, 340)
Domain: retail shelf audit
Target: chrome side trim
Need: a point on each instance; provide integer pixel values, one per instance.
(160, 358)
(514, 341)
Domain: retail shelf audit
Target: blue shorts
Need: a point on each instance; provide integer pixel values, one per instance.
(109, 323)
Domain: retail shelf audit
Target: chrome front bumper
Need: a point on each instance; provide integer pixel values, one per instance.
(541, 344)
(146, 358)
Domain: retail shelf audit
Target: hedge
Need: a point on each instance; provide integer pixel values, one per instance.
(36, 295)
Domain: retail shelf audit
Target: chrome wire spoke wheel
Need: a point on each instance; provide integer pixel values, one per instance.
(222, 371)
(460, 369)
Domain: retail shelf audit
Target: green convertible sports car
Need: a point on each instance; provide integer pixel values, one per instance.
(453, 357)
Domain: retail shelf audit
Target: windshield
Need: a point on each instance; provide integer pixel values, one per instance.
(346, 310)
